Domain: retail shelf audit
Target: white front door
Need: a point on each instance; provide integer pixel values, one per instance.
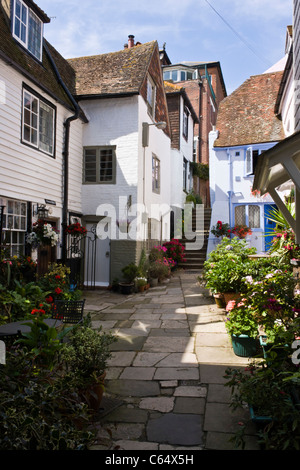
(97, 259)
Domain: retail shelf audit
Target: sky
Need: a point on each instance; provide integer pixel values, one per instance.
(247, 37)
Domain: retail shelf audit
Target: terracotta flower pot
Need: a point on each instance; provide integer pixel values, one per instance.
(220, 301)
(94, 393)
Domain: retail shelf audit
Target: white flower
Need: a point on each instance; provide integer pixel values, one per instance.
(249, 279)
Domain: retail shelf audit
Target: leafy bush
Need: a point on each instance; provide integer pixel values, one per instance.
(268, 391)
(39, 411)
(241, 320)
(175, 250)
(86, 354)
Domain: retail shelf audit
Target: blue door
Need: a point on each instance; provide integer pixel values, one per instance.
(269, 225)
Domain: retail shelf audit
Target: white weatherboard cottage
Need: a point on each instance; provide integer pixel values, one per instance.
(126, 153)
(34, 110)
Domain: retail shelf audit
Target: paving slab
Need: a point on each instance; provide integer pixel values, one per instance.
(170, 332)
(211, 355)
(218, 340)
(190, 391)
(163, 404)
(220, 417)
(171, 428)
(190, 405)
(123, 358)
(174, 324)
(126, 414)
(135, 445)
(176, 373)
(178, 360)
(138, 373)
(128, 343)
(169, 344)
(148, 359)
(133, 388)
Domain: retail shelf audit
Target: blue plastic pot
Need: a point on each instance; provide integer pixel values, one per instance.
(244, 345)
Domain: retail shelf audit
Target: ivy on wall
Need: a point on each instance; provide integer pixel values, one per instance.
(201, 170)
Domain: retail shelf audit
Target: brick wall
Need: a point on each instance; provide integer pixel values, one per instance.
(174, 117)
(155, 72)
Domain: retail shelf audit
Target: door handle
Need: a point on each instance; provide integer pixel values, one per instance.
(107, 254)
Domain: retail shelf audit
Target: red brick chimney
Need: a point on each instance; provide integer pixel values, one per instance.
(130, 41)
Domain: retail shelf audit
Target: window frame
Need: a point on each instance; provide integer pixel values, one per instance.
(247, 215)
(155, 174)
(251, 156)
(30, 14)
(14, 225)
(151, 97)
(185, 122)
(39, 143)
(98, 149)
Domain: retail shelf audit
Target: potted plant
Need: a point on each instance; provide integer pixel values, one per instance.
(42, 233)
(85, 355)
(157, 270)
(76, 230)
(241, 324)
(141, 283)
(221, 229)
(225, 277)
(267, 393)
(226, 268)
(241, 231)
(129, 272)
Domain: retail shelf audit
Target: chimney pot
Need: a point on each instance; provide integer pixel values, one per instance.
(130, 41)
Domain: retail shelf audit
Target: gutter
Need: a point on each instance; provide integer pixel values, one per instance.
(67, 124)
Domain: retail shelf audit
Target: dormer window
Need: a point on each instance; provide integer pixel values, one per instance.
(27, 28)
(179, 75)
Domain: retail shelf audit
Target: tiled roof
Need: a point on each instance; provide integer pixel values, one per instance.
(247, 115)
(42, 74)
(171, 88)
(121, 72)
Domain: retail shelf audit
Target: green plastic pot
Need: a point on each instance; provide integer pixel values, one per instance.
(244, 345)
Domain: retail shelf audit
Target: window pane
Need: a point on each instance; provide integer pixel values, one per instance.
(240, 215)
(34, 35)
(254, 216)
(150, 96)
(174, 75)
(182, 75)
(46, 128)
(20, 21)
(106, 165)
(30, 118)
(90, 163)
(155, 174)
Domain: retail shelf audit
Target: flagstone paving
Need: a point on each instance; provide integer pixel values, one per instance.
(167, 369)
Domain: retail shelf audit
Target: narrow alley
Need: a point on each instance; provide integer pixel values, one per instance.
(165, 381)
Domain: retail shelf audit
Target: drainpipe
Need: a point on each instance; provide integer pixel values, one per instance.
(230, 192)
(65, 154)
(200, 120)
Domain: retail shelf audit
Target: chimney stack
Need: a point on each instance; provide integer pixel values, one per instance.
(130, 41)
